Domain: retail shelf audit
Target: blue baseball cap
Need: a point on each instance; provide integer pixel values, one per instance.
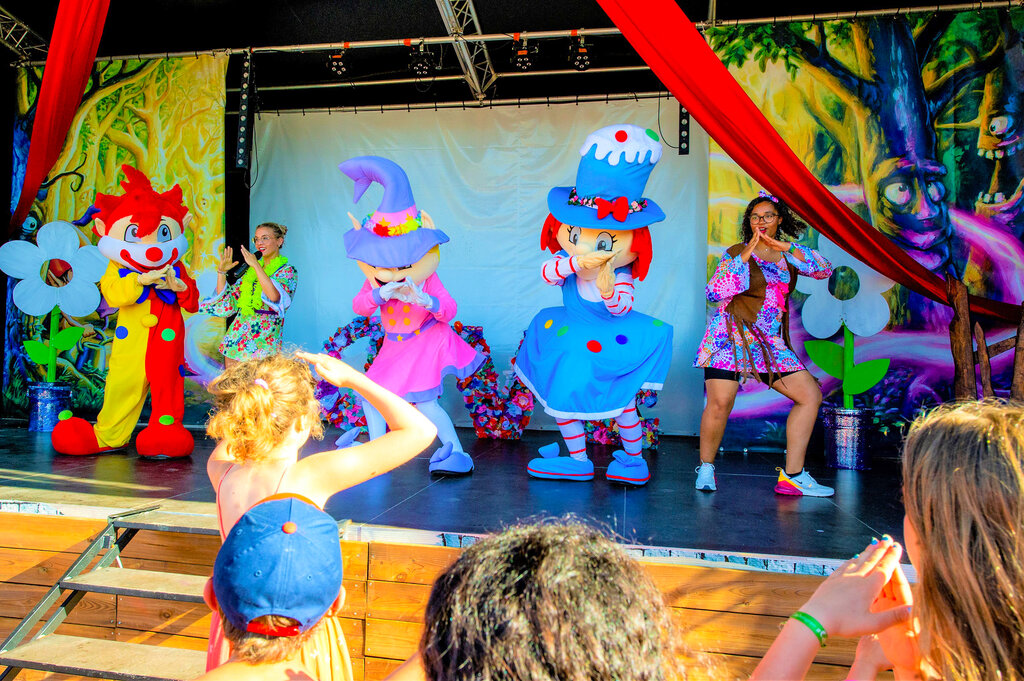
(283, 557)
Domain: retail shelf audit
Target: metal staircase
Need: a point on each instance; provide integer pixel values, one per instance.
(100, 658)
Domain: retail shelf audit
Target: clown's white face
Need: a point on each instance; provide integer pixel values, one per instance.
(163, 246)
(583, 240)
(418, 271)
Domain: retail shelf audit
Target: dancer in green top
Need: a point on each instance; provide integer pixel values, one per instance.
(259, 299)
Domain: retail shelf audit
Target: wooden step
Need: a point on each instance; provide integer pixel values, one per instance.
(106, 659)
(169, 586)
(190, 523)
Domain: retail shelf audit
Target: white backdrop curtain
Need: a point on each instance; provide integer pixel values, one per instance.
(483, 175)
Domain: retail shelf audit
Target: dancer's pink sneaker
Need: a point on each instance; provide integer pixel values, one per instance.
(801, 485)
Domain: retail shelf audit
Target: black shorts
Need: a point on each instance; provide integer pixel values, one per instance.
(727, 375)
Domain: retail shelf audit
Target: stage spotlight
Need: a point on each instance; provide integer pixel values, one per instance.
(421, 61)
(336, 64)
(521, 52)
(579, 57)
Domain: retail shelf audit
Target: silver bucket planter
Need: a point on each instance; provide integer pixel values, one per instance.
(846, 437)
(45, 403)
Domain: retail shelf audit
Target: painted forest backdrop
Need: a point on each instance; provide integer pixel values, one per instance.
(915, 123)
(166, 118)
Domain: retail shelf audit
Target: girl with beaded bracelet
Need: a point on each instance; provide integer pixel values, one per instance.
(259, 299)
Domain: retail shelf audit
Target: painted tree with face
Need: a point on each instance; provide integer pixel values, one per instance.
(397, 249)
(588, 358)
(142, 232)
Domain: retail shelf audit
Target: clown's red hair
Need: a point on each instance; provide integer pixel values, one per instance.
(141, 202)
(641, 245)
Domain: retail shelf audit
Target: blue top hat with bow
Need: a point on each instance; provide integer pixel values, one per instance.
(610, 181)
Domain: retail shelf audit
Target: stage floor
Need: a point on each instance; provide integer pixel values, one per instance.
(743, 516)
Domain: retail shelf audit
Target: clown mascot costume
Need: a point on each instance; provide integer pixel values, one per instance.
(143, 234)
(397, 250)
(587, 359)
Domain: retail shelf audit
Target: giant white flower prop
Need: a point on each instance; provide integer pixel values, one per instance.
(865, 314)
(54, 241)
(57, 251)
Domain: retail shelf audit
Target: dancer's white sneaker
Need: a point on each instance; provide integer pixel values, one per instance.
(801, 485)
(706, 477)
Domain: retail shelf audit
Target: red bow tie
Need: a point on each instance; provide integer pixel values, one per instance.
(618, 208)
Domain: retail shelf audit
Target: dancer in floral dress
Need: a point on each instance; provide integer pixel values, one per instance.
(259, 299)
(749, 337)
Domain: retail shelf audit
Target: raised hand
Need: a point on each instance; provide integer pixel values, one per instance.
(775, 244)
(594, 259)
(331, 369)
(845, 602)
(606, 279)
(153, 277)
(227, 261)
(751, 245)
(249, 257)
(419, 296)
(390, 290)
(171, 281)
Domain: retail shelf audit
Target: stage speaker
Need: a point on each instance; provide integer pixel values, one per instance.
(684, 131)
(246, 111)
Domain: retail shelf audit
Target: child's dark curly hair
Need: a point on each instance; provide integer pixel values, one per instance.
(789, 224)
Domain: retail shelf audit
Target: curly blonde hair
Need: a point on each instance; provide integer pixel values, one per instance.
(963, 488)
(257, 402)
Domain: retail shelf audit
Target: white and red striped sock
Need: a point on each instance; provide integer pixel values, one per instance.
(630, 431)
(575, 438)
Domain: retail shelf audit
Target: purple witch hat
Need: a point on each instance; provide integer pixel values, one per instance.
(393, 235)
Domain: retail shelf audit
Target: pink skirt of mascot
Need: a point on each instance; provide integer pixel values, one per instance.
(588, 358)
(397, 248)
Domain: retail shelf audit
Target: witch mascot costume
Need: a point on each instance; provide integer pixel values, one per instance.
(588, 358)
(397, 249)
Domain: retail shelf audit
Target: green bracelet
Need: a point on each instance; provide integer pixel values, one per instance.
(812, 624)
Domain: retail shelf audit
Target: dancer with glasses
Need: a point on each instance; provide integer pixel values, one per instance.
(259, 299)
(749, 337)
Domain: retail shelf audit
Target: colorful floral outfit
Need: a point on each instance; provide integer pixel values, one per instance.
(724, 339)
(257, 334)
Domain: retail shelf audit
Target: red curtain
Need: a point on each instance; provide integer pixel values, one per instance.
(677, 53)
(69, 59)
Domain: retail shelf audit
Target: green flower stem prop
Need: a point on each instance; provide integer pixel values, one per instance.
(837, 361)
(46, 354)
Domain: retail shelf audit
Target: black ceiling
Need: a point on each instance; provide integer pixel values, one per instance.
(165, 26)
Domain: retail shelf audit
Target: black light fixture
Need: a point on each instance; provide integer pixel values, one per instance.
(521, 53)
(336, 64)
(579, 56)
(684, 131)
(246, 95)
(421, 61)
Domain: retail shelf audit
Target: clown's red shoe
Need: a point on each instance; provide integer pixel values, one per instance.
(164, 441)
(76, 437)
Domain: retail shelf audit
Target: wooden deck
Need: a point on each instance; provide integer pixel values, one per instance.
(732, 614)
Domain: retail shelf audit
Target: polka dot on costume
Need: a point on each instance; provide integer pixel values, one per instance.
(406, 321)
(562, 331)
(653, 135)
(391, 322)
(658, 322)
(621, 340)
(548, 323)
(405, 308)
(121, 332)
(166, 420)
(593, 346)
(391, 309)
(64, 415)
(167, 334)
(621, 136)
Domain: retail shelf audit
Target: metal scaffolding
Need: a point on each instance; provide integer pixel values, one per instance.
(460, 21)
(19, 38)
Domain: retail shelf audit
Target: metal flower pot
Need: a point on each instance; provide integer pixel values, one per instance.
(45, 402)
(846, 437)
